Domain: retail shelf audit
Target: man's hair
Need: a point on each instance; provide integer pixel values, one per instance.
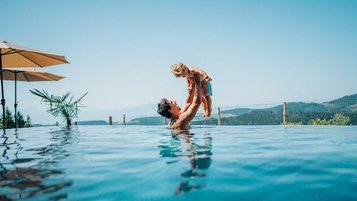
(177, 69)
(163, 108)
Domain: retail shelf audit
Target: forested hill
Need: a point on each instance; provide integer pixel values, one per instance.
(344, 104)
(297, 112)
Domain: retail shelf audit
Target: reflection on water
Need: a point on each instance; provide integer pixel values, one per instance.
(195, 151)
(33, 172)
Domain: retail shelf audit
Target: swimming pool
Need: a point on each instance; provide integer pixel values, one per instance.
(152, 163)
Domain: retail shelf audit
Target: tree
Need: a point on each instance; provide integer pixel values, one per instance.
(63, 106)
(20, 120)
(10, 120)
(28, 121)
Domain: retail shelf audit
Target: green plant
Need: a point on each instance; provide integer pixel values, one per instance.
(10, 120)
(340, 120)
(337, 119)
(63, 106)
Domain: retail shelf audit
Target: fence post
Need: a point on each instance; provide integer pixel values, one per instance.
(123, 119)
(110, 120)
(219, 116)
(284, 113)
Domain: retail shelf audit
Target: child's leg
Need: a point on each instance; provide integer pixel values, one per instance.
(209, 105)
(205, 101)
(204, 105)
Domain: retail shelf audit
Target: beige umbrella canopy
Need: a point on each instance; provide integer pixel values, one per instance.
(27, 76)
(15, 56)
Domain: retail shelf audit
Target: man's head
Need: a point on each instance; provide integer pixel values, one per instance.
(179, 70)
(168, 108)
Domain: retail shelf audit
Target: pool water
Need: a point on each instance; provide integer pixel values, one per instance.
(154, 163)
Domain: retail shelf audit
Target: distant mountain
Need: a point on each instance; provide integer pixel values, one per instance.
(299, 107)
(297, 112)
(344, 104)
(345, 101)
(255, 117)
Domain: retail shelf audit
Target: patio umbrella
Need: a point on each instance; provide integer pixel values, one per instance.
(15, 56)
(27, 76)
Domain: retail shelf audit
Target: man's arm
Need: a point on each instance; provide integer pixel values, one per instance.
(190, 113)
(189, 98)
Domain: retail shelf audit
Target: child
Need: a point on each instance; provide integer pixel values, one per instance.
(181, 70)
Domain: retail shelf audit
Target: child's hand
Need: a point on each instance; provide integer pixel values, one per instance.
(207, 79)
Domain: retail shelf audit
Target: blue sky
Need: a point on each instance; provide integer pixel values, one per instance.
(120, 52)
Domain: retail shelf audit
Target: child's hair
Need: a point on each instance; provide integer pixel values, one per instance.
(178, 68)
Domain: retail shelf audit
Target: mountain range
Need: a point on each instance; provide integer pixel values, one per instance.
(297, 112)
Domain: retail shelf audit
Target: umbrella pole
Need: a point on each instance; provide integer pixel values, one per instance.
(2, 95)
(15, 105)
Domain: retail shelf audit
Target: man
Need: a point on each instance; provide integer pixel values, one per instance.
(169, 109)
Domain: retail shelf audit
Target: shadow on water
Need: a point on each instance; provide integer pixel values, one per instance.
(196, 150)
(34, 172)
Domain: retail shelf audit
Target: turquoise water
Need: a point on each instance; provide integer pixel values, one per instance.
(152, 163)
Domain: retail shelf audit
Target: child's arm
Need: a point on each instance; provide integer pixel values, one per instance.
(189, 98)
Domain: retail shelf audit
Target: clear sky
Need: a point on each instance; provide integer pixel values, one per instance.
(120, 52)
